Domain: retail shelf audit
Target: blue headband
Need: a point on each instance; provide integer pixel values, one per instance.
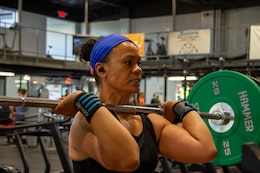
(103, 47)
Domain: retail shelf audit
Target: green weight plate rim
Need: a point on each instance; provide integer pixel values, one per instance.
(235, 135)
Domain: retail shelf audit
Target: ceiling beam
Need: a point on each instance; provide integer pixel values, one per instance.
(107, 3)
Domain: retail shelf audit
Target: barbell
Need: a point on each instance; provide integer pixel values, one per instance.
(46, 103)
(226, 100)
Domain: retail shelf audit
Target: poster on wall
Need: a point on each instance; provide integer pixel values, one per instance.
(254, 50)
(54, 91)
(156, 44)
(190, 42)
(138, 39)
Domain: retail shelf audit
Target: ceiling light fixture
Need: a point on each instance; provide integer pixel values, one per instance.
(26, 77)
(2, 73)
(181, 78)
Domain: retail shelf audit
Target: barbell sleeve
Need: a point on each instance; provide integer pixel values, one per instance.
(46, 103)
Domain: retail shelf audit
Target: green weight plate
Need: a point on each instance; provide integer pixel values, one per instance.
(238, 95)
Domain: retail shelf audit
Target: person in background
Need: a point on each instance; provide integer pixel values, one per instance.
(20, 112)
(7, 119)
(102, 140)
(66, 93)
(132, 100)
(155, 99)
(141, 98)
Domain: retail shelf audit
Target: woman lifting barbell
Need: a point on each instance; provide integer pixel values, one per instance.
(101, 140)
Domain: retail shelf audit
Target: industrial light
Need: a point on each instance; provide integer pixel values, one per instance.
(181, 78)
(20, 81)
(7, 73)
(27, 77)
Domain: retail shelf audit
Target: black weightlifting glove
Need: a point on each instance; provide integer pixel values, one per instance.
(87, 104)
(180, 109)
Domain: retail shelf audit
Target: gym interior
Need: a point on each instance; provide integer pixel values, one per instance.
(189, 49)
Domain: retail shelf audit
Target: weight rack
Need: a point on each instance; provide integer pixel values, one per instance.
(53, 130)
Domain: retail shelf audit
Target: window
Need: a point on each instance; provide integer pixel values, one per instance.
(8, 17)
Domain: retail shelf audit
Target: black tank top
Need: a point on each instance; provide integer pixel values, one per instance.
(148, 153)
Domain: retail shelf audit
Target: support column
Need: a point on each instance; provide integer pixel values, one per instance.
(174, 15)
(217, 23)
(20, 19)
(125, 21)
(125, 25)
(86, 17)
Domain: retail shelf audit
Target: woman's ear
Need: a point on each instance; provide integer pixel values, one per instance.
(100, 69)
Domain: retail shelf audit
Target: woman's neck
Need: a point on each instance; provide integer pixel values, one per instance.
(114, 98)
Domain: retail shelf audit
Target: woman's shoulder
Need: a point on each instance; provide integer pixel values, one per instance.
(156, 118)
(158, 122)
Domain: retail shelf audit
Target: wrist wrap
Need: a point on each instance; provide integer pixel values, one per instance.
(87, 104)
(180, 109)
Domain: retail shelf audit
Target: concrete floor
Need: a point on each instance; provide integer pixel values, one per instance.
(9, 154)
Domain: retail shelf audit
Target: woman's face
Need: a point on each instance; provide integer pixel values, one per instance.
(123, 70)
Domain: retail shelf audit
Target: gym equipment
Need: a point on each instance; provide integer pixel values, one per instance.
(237, 94)
(15, 28)
(53, 130)
(166, 165)
(41, 102)
(9, 169)
(251, 157)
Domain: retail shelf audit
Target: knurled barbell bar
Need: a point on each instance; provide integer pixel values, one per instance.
(46, 103)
